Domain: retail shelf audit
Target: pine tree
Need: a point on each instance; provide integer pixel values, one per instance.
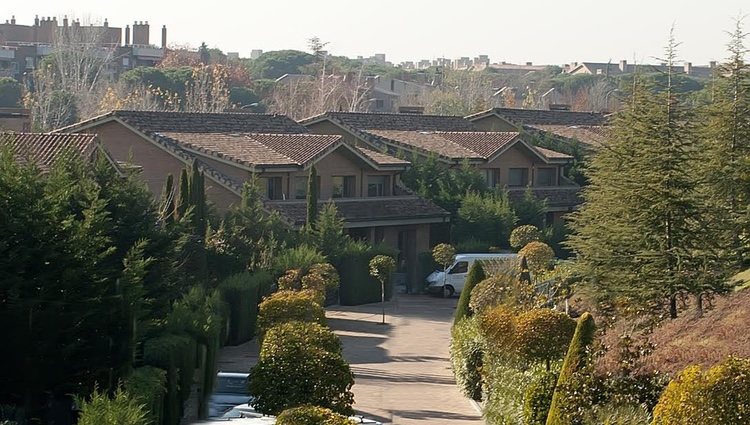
(329, 235)
(312, 198)
(641, 235)
(476, 275)
(726, 148)
(197, 196)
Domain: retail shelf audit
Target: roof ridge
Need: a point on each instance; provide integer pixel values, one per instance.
(291, 160)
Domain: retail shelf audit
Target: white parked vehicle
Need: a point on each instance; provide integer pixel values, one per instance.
(245, 414)
(452, 282)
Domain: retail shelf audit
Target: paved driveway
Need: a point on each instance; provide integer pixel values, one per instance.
(402, 369)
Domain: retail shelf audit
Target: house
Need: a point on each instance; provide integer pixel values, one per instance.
(43, 149)
(623, 67)
(232, 148)
(504, 158)
(15, 119)
(588, 128)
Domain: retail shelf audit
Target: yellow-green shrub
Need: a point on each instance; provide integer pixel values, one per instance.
(311, 415)
(121, 409)
(539, 255)
(287, 306)
(537, 399)
(542, 335)
(302, 334)
(720, 395)
(523, 235)
(502, 288)
(467, 351)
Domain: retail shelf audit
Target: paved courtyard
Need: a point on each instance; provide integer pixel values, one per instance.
(402, 369)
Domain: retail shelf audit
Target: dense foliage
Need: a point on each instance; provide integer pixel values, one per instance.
(311, 415)
(523, 235)
(288, 306)
(121, 409)
(467, 351)
(476, 275)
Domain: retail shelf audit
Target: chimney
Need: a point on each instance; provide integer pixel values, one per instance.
(529, 63)
(106, 24)
(127, 35)
(65, 21)
(712, 64)
(688, 68)
(36, 21)
(13, 20)
(623, 66)
(140, 34)
(164, 37)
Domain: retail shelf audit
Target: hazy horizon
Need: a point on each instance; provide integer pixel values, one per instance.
(542, 32)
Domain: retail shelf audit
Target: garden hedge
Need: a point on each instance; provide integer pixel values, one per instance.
(172, 353)
(467, 350)
(311, 415)
(148, 385)
(357, 285)
(289, 306)
(242, 293)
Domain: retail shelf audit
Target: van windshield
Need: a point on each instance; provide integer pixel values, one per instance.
(460, 267)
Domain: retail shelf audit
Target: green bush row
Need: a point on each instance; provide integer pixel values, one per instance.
(242, 293)
(357, 285)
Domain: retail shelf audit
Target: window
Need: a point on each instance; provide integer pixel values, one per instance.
(300, 187)
(495, 178)
(518, 177)
(460, 267)
(376, 185)
(545, 177)
(378, 235)
(379, 104)
(344, 186)
(273, 188)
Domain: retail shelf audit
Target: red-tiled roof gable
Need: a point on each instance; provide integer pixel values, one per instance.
(392, 121)
(253, 149)
(43, 149)
(452, 145)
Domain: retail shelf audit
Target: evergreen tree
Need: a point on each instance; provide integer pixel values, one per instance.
(183, 201)
(642, 233)
(312, 198)
(167, 209)
(726, 148)
(530, 209)
(560, 411)
(329, 235)
(476, 275)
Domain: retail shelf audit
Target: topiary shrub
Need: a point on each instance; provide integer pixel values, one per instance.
(502, 288)
(302, 334)
(498, 327)
(288, 306)
(290, 374)
(121, 409)
(444, 254)
(538, 255)
(311, 415)
(328, 273)
(242, 293)
(476, 275)
(563, 409)
(523, 235)
(467, 350)
(542, 335)
(720, 395)
(291, 280)
(538, 398)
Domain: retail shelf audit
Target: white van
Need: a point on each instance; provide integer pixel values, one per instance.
(452, 283)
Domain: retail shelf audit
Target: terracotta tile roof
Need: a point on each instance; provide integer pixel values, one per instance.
(452, 145)
(593, 136)
(391, 121)
(367, 209)
(381, 158)
(43, 149)
(550, 154)
(252, 149)
(544, 116)
(198, 122)
(559, 196)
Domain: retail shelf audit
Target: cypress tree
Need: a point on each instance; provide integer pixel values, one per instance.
(183, 201)
(476, 275)
(312, 198)
(575, 360)
(167, 200)
(642, 234)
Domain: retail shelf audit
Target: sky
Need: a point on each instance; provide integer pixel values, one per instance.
(538, 31)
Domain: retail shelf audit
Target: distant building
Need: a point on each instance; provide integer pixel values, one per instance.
(255, 53)
(233, 56)
(23, 46)
(15, 119)
(623, 67)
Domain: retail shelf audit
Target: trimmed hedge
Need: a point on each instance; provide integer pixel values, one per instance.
(476, 275)
(357, 285)
(172, 353)
(289, 306)
(148, 385)
(538, 398)
(242, 293)
(311, 415)
(302, 334)
(467, 351)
